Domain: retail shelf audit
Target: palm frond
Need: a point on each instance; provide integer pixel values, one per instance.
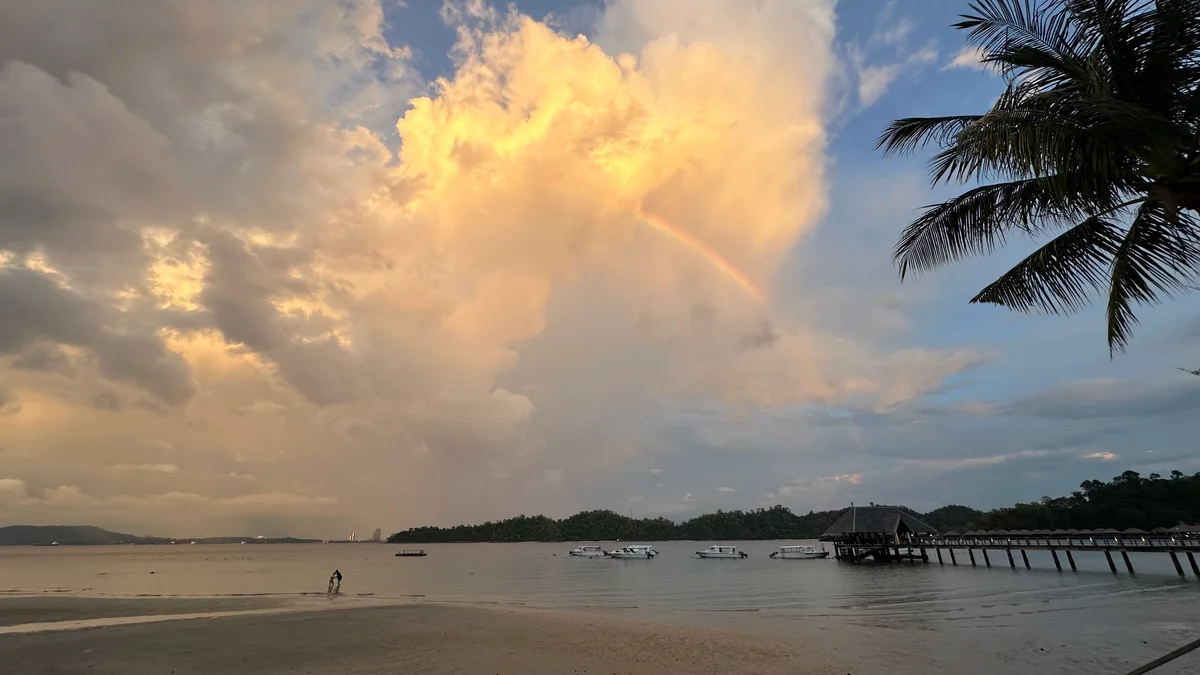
(978, 221)
(1170, 57)
(1114, 25)
(1156, 259)
(1029, 132)
(1061, 276)
(904, 136)
(1001, 25)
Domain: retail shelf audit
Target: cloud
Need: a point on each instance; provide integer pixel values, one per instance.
(1110, 398)
(251, 243)
(874, 72)
(970, 57)
(154, 468)
(894, 34)
(12, 492)
(9, 402)
(1102, 456)
(726, 490)
(874, 80)
(655, 472)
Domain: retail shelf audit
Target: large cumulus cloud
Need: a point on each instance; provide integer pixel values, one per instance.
(246, 239)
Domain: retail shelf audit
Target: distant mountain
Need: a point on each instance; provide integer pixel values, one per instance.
(68, 535)
(88, 535)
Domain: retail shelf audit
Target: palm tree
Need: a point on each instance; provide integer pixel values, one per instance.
(1094, 142)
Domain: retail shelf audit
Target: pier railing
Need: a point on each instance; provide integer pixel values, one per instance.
(891, 547)
(1091, 541)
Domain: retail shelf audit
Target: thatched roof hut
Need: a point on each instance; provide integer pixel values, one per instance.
(888, 520)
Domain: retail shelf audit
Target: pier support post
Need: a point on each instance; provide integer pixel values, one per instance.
(1071, 560)
(971, 552)
(1011, 562)
(1025, 558)
(924, 554)
(986, 560)
(939, 553)
(1111, 565)
(1178, 567)
(1128, 565)
(1057, 564)
(1192, 560)
(953, 561)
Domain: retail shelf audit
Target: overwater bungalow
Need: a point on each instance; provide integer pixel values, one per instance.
(879, 532)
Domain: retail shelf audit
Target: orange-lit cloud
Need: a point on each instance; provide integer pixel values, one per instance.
(258, 244)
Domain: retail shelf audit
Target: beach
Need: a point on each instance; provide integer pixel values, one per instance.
(349, 638)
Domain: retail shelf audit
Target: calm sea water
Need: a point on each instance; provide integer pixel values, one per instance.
(871, 617)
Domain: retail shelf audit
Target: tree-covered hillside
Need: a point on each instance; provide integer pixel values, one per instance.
(1128, 500)
(776, 522)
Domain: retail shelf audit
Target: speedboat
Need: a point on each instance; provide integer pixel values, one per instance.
(636, 551)
(799, 553)
(719, 551)
(587, 552)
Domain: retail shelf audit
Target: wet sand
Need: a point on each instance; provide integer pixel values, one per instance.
(415, 638)
(18, 610)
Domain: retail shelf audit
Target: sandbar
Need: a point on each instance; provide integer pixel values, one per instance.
(411, 638)
(24, 609)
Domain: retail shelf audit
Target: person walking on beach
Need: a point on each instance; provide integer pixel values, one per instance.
(335, 581)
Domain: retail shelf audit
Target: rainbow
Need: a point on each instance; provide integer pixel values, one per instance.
(722, 265)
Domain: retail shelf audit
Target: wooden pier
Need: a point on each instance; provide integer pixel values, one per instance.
(1176, 543)
(889, 534)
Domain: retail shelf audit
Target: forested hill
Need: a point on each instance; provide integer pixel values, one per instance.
(88, 535)
(1129, 500)
(67, 535)
(776, 522)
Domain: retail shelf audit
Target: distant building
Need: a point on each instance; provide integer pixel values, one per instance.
(877, 532)
(377, 536)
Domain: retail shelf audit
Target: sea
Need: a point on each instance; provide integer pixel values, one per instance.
(873, 618)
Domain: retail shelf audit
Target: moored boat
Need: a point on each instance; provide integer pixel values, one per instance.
(411, 553)
(635, 551)
(722, 551)
(799, 553)
(587, 552)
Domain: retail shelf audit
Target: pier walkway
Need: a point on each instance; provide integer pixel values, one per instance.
(889, 533)
(1060, 541)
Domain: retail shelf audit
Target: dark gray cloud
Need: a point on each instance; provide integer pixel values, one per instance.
(33, 307)
(1109, 399)
(239, 290)
(106, 400)
(9, 404)
(766, 336)
(46, 357)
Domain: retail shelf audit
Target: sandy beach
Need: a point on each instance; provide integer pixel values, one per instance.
(415, 638)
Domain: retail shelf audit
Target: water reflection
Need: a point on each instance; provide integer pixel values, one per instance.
(960, 619)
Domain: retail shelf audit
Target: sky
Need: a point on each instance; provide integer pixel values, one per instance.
(304, 267)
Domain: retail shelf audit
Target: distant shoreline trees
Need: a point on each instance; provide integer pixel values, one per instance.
(1128, 500)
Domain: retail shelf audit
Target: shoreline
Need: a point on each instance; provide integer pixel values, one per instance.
(364, 636)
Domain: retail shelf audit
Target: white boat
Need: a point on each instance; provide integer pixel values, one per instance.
(587, 552)
(799, 553)
(719, 551)
(636, 551)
